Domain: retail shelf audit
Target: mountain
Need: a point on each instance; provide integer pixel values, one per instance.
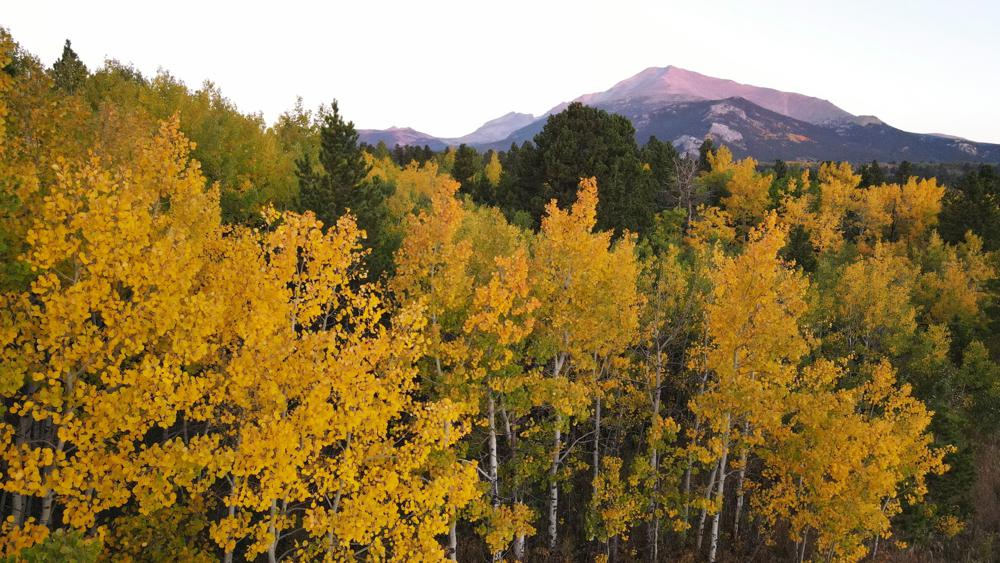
(490, 132)
(400, 136)
(664, 86)
(495, 129)
(752, 130)
(685, 107)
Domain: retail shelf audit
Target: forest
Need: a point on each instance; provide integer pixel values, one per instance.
(224, 339)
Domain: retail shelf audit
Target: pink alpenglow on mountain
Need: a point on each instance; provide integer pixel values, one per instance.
(684, 108)
(672, 84)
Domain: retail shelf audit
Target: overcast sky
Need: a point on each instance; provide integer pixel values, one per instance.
(446, 67)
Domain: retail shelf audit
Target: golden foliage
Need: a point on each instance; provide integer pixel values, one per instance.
(256, 356)
(839, 469)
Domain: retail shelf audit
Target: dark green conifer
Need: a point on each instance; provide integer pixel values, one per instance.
(69, 73)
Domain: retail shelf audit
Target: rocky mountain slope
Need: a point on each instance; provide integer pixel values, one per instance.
(685, 107)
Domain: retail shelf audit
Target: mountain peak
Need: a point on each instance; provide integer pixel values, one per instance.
(511, 115)
(656, 85)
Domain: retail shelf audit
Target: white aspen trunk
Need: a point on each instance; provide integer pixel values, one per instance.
(47, 501)
(885, 504)
(688, 470)
(687, 483)
(17, 508)
(508, 429)
(228, 556)
(19, 502)
(720, 494)
(46, 517)
(272, 528)
(687, 487)
(704, 512)
(331, 540)
(654, 463)
(554, 486)
(512, 442)
(597, 438)
(740, 492)
(557, 365)
(519, 547)
(494, 477)
(453, 541)
(51, 432)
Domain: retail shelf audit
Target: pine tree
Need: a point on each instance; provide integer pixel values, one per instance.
(69, 72)
(903, 172)
(467, 168)
(707, 147)
(583, 141)
(871, 174)
(336, 189)
(342, 185)
(975, 206)
(780, 169)
(661, 159)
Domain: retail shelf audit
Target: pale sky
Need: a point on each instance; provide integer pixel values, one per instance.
(445, 67)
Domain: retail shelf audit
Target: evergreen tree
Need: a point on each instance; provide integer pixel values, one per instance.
(403, 155)
(381, 150)
(466, 169)
(341, 186)
(332, 192)
(707, 147)
(871, 174)
(517, 193)
(780, 169)
(903, 172)
(581, 142)
(661, 158)
(69, 72)
(372, 215)
(975, 206)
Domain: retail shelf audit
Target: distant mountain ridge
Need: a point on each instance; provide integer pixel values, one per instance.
(659, 86)
(490, 132)
(400, 136)
(496, 129)
(684, 107)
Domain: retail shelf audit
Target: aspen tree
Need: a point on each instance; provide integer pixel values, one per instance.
(754, 343)
(587, 288)
(846, 459)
